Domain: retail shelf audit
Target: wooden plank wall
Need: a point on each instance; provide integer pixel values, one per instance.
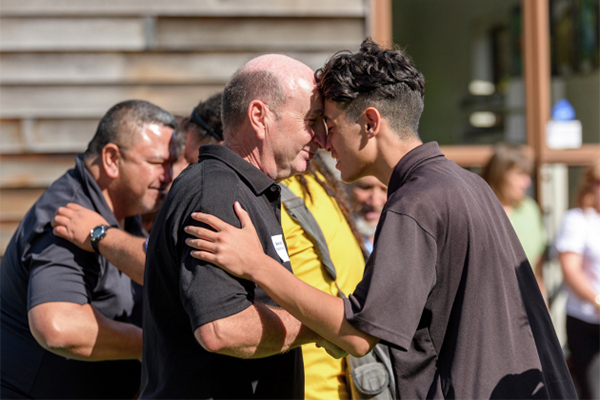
(63, 63)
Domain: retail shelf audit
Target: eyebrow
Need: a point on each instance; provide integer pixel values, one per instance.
(159, 157)
(316, 113)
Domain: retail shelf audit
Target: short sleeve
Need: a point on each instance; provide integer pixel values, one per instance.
(207, 292)
(571, 237)
(399, 275)
(60, 271)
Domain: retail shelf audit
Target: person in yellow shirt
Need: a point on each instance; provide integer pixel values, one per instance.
(325, 377)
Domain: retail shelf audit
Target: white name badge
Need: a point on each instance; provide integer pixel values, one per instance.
(280, 247)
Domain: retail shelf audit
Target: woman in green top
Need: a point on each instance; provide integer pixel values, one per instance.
(508, 172)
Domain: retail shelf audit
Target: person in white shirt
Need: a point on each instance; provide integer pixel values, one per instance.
(578, 246)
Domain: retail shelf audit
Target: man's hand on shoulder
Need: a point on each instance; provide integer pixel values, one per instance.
(74, 222)
(126, 252)
(237, 251)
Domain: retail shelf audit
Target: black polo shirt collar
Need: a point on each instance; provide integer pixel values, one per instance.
(257, 180)
(94, 192)
(411, 160)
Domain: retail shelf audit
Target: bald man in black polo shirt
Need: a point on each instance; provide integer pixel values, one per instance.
(448, 286)
(208, 334)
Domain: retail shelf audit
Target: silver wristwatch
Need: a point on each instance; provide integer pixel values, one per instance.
(97, 234)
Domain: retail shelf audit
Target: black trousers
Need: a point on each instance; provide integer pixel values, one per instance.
(584, 343)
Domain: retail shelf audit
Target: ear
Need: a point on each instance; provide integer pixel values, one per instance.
(111, 157)
(258, 116)
(373, 121)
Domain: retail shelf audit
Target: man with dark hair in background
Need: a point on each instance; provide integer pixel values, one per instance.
(63, 307)
(448, 286)
(203, 126)
(127, 252)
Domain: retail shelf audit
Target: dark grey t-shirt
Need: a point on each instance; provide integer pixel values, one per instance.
(449, 288)
(39, 267)
(183, 293)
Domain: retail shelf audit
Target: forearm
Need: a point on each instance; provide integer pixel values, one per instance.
(82, 333)
(256, 332)
(572, 267)
(115, 340)
(320, 311)
(240, 252)
(126, 252)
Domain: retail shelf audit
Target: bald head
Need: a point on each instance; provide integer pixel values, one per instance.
(284, 67)
(271, 78)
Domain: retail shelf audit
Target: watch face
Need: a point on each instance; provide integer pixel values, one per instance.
(97, 232)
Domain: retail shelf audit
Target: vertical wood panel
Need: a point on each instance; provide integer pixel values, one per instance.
(536, 27)
(380, 22)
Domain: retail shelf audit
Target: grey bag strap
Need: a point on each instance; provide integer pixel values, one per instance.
(297, 210)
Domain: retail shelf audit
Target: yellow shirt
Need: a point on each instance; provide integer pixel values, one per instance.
(325, 376)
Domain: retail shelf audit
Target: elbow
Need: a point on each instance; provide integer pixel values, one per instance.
(209, 339)
(56, 339)
(359, 350)
(358, 346)
(49, 335)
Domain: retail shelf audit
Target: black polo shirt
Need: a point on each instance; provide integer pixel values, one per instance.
(39, 267)
(183, 293)
(449, 288)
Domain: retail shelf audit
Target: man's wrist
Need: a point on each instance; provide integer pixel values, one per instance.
(97, 234)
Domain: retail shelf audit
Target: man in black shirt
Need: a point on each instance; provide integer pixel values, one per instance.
(206, 333)
(61, 306)
(448, 286)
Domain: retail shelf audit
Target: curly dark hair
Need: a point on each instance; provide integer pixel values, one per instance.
(374, 77)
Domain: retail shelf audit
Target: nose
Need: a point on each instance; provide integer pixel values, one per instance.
(376, 197)
(328, 145)
(379, 197)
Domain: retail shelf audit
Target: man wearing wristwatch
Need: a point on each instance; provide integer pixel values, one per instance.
(61, 306)
(127, 252)
(97, 234)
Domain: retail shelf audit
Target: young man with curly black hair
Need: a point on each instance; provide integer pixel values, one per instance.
(448, 286)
